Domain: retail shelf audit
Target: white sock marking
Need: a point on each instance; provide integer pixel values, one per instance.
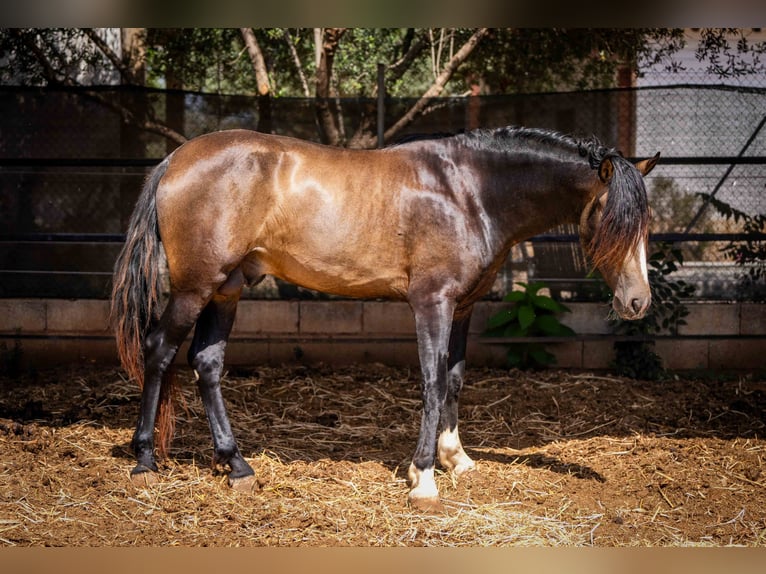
(423, 483)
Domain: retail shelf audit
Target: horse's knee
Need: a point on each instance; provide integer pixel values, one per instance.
(209, 361)
(157, 353)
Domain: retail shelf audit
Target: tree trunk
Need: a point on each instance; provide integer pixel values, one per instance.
(261, 79)
(132, 143)
(438, 86)
(134, 54)
(328, 127)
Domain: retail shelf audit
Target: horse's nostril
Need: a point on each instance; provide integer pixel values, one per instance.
(636, 305)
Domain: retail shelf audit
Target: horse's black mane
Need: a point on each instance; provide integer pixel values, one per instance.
(508, 139)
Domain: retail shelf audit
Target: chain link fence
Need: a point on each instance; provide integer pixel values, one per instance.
(71, 169)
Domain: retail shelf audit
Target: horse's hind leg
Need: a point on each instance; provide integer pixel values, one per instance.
(206, 356)
(451, 453)
(160, 349)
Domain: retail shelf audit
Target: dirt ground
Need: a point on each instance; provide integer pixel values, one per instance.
(563, 459)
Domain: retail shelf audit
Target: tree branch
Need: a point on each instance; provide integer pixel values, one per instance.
(49, 72)
(297, 60)
(147, 124)
(398, 68)
(438, 86)
(116, 61)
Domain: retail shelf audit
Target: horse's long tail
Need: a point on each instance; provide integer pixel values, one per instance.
(136, 293)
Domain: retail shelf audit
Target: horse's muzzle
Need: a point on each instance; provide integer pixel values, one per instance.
(634, 310)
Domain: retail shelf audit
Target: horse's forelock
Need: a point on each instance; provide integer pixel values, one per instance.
(624, 220)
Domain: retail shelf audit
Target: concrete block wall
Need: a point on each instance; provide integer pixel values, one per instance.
(53, 331)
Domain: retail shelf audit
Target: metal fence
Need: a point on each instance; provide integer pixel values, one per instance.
(71, 169)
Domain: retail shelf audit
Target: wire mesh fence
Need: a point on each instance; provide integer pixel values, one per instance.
(71, 168)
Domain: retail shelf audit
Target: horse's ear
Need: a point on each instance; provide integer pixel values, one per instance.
(646, 165)
(606, 170)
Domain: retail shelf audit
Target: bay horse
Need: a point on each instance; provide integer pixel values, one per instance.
(429, 221)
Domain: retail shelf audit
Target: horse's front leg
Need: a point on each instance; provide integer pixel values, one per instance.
(451, 453)
(433, 318)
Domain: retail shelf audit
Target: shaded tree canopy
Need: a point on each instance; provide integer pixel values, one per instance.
(330, 63)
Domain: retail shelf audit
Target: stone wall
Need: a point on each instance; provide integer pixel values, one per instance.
(46, 332)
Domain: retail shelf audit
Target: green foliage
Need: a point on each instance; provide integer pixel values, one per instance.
(730, 53)
(530, 315)
(524, 60)
(510, 60)
(361, 49)
(214, 59)
(749, 253)
(637, 359)
(201, 59)
(67, 51)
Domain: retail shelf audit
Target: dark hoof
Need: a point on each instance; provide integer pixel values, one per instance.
(142, 476)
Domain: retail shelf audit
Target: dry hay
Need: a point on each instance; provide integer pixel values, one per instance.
(564, 459)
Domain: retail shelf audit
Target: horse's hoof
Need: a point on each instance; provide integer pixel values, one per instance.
(245, 483)
(142, 477)
(429, 504)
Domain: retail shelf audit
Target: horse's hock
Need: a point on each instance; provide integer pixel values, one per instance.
(48, 332)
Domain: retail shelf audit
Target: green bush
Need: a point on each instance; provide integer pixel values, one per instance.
(530, 315)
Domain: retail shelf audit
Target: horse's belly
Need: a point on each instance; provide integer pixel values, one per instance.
(363, 277)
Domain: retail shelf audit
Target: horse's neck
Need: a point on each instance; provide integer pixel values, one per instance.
(534, 198)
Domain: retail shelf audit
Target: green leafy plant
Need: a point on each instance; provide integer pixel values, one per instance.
(530, 315)
(637, 359)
